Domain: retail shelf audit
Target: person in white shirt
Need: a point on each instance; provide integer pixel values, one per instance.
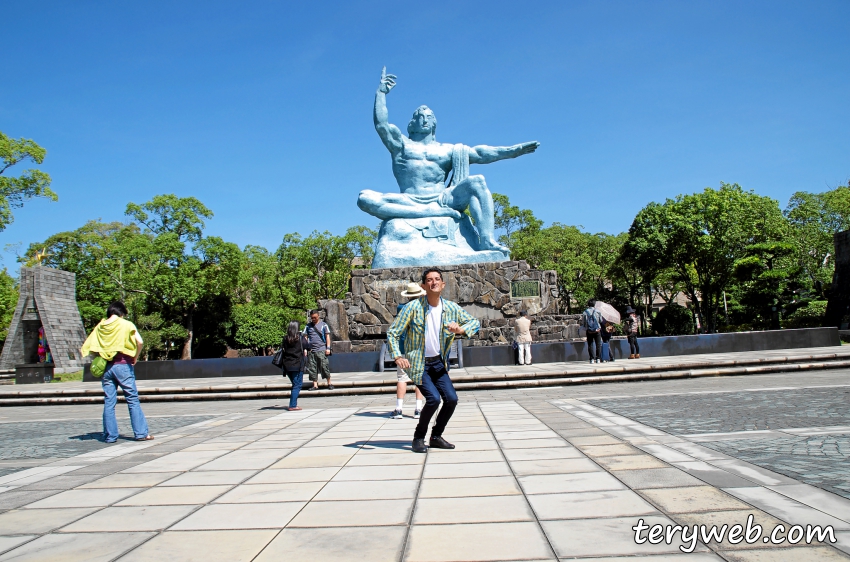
(523, 338)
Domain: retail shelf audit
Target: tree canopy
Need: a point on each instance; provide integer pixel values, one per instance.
(15, 191)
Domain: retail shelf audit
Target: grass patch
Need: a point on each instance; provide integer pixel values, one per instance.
(68, 377)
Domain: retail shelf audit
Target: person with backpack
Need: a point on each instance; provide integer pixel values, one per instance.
(293, 357)
(116, 345)
(632, 325)
(592, 320)
(319, 345)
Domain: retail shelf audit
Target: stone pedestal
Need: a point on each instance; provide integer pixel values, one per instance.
(47, 299)
(493, 292)
(33, 373)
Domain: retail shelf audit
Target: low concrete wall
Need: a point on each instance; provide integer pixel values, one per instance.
(503, 354)
(661, 346)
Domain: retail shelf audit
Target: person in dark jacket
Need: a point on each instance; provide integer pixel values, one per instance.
(606, 333)
(294, 347)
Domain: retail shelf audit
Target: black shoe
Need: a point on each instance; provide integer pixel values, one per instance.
(440, 443)
(330, 387)
(419, 446)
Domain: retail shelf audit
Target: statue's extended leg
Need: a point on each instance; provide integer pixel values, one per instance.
(473, 192)
(388, 206)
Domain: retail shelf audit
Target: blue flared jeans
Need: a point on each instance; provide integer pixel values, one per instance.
(297, 379)
(121, 375)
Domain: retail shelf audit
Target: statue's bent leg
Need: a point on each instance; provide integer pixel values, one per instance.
(473, 192)
(388, 206)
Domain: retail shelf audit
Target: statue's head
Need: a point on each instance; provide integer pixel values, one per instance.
(423, 121)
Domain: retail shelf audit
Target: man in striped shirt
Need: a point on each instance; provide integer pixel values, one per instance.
(430, 324)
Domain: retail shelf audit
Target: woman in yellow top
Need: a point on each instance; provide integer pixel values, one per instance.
(118, 341)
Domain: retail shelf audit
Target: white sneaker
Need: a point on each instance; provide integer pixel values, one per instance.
(416, 414)
(396, 415)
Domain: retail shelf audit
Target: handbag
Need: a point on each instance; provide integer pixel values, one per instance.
(277, 358)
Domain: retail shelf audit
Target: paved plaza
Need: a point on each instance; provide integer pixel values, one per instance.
(538, 474)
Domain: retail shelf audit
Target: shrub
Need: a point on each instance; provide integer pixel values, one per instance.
(810, 316)
(673, 320)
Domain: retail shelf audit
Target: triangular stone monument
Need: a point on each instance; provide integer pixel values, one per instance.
(47, 298)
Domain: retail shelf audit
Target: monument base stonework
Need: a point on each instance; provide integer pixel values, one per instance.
(493, 292)
(426, 241)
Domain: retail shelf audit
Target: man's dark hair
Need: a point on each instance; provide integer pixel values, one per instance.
(431, 270)
(312, 312)
(116, 308)
(590, 303)
(523, 313)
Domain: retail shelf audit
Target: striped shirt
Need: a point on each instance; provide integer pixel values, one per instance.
(410, 324)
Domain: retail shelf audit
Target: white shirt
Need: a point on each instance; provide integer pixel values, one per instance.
(433, 329)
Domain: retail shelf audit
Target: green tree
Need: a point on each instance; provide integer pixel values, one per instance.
(700, 237)
(31, 183)
(815, 218)
(8, 301)
(769, 279)
(259, 326)
(512, 220)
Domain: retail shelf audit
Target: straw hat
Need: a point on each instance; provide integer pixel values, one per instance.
(413, 290)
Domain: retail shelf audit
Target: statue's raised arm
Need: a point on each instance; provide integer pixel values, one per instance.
(389, 133)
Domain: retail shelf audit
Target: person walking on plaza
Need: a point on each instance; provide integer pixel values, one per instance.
(632, 325)
(523, 338)
(294, 348)
(429, 325)
(592, 320)
(319, 343)
(118, 342)
(605, 333)
(411, 292)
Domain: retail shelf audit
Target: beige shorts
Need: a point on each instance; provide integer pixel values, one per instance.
(402, 376)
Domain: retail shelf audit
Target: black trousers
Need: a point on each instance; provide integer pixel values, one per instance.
(594, 337)
(634, 348)
(435, 384)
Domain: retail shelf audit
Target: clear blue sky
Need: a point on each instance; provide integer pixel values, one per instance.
(262, 110)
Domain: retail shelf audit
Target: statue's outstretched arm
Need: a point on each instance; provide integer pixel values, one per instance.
(483, 154)
(388, 132)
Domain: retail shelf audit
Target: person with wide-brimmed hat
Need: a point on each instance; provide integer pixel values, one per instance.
(412, 291)
(632, 325)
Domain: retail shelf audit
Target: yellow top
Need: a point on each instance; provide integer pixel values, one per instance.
(112, 336)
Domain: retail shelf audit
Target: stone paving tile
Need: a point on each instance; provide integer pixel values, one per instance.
(13, 499)
(209, 546)
(731, 518)
(271, 493)
(580, 505)
(543, 454)
(80, 547)
(175, 495)
(493, 509)
(553, 466)
(22, 521)
(603, 537)
(786, 508)
(692, 499)
(280, 475)
(712, 475)
(460, 456)
(577, 482)
(8, 543)
(240, 516)
(351, 513)
(137, 480)
(137, 518)
(656, 478)
(609, 450)
(340, 544)
(209, 478)
(467, 470)
(469, 487)
(479, 541)
(801, 554)
(84, 498)
(368, 490)
(630, 462)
